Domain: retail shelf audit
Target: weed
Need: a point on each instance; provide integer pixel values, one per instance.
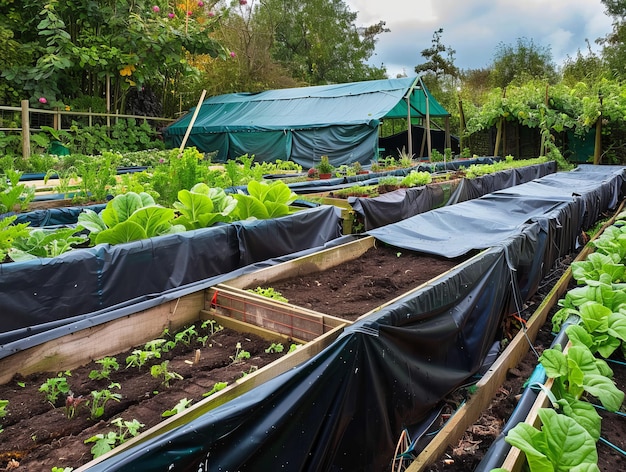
(71, 404)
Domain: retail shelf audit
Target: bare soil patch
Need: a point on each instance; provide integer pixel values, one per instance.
(356, 287)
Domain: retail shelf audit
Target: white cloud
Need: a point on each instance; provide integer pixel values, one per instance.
(474, 29)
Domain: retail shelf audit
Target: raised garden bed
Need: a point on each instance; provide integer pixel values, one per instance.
(38, 436)
(351, 280)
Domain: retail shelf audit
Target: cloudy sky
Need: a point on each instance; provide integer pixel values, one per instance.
(474, 28)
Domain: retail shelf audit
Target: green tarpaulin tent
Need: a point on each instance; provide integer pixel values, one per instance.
(302, 124)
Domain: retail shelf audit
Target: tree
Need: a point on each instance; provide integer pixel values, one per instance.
(614, 44)
(71, 49)
(439, 59)
(524, 61)
(583, 68)
(317, 40)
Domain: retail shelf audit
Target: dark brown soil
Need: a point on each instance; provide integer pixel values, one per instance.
(37, 437)
(356, 287)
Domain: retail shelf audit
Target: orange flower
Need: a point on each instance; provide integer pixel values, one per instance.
(127, 70)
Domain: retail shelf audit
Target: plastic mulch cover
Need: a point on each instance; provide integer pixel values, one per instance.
(487, 221)
(403, 203)
(345, 408)
(45, 291)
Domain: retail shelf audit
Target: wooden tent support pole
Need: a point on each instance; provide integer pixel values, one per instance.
(191, 123)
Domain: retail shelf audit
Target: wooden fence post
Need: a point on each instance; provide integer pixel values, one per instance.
(25, 130)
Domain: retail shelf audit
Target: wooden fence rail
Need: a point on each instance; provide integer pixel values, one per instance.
(27, 114)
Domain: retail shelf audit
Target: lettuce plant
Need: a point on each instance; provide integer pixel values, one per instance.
(577, 372)
(561, 445)
(203, 206)
(129, 217)
(265, 201)
(42, 242)
(600, 329)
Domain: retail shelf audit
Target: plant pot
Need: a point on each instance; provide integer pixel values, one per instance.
(326, 176)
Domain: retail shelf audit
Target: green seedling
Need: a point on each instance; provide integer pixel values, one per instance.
(99, 399)
(240, 354)
(185, 336)
(155, 346)
(180, 406)
(160, 370)
(275, 348)
(293, 347)
(216, 388)
(3, 408)
(108, 365)
(103, 443)
(139, 358)
(212, 326)
(269, 292)
(55, 387)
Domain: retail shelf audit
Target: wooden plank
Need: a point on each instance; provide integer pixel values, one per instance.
(271, 314)
(242, 327)
(236, 389)
(81, 347)
(317, 262)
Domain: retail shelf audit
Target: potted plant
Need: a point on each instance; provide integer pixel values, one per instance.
(358, 169)
(325, 168)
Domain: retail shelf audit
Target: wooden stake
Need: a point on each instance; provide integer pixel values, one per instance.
(191, 123)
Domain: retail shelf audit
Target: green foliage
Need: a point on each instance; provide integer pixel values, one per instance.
(107, 366)
(416, 178)
(324, 166)
(203, 206)
(138, 358)
(269, 292)
(160, 370)
(240, 354)
(42, 242)
(275, 348)
(216, 388)
(128, 217)
(14, 196)
(3, 408)
(182, 405)
(579, 371)
(561, 445)
(103, 443)
(318, 42)
(99, 399)
(55, 387)
(9, 233)
(264, 201)
(177, 173)
(521, 62)
(439, 59)
(62, 469)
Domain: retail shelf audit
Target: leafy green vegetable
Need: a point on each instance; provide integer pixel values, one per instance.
(561, 445)
(265, 201)
(203, 206)
(129, 217)
(579, 371)
(8, 233)
(601, 267)
(45, 243)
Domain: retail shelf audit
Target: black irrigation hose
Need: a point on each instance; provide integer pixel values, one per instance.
(499, 449)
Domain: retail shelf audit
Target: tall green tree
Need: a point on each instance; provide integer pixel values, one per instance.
(614, 44)
(71, 49)
(439, 59)
(522, 62)
(318, 41)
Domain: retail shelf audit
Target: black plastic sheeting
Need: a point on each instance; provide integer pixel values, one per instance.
(578, 196)
(345, 408)
(404, 203)
(39, 292)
